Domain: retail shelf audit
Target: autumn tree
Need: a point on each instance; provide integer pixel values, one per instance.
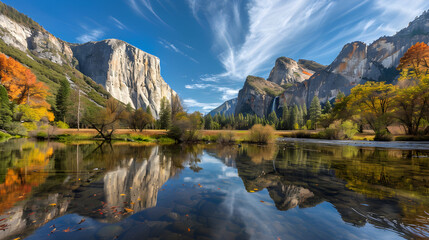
(23, 89)
(412, 101)
(415, 62)
(373, 101)
(140, 119)
(107, 120)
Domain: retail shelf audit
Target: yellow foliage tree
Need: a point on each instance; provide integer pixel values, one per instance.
(373, 101)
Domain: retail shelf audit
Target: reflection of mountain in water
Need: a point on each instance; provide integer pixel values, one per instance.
(364, 185)
(125, 178)
(137, 182)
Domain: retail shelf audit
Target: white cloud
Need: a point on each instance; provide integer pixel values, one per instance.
(227, 93)
(118, 23)
(206, 107)
(173, 47)
(92, 35)
(286, 27)
(142, 7)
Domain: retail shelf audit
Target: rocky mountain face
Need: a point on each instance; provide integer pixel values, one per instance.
(355, 64)
(257, 96)
(288, 71)
(227, 108)
(128, 73)
(359, 62)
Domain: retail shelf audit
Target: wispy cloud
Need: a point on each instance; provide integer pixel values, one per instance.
(91, 35)
(227, 93)
(206, 107)
(279, 27)
(118, 23)
(174, 48)
(145, 8)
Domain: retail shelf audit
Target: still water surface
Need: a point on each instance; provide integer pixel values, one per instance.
(293, 190)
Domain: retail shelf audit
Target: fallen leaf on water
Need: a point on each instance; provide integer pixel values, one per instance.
(122, 194)
(53, 230)
(262, 201)
(81, 221)
(67, 230)
(189, 229)
(53, 204)
(129, 210)
(52, 226)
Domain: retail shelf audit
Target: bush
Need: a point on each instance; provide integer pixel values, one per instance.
(15, 128)
(226, 137)
(301, 134)
(4, 135)
(261, 134)
(42, 135)
(339, 131)
(383, 135)
(62, 125)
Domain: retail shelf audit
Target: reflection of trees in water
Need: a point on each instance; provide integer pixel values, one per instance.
(78, 178)
(388, 188)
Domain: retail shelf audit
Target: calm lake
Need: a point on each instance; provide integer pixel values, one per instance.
(291, 190)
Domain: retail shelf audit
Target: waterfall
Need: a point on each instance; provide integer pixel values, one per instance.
(274, 105)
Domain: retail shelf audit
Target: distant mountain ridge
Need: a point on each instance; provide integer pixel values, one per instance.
(227, 108)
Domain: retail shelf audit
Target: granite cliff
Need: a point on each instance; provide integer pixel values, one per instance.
(128, 73)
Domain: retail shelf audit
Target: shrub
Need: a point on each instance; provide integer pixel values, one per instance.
(4, 135)
(15, 128)
(226, 137)
(301, 134)
(383, 135)
(62, 125)
(42, 135)
(261, 134)
(339, 130)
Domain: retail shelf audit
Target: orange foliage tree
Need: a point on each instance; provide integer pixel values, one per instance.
(22, 85)
(415, 62)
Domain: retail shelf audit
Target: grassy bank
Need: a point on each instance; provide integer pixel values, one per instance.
(222, 136)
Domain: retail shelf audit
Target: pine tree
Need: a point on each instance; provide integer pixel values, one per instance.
(165, 114)
(63, 101)
(315, 110)
(5, 111)
(272, 118)
(327, 108)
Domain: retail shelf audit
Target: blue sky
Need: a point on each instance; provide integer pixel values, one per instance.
(208, 47)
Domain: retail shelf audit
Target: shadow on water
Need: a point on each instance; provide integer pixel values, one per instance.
(132, 191)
